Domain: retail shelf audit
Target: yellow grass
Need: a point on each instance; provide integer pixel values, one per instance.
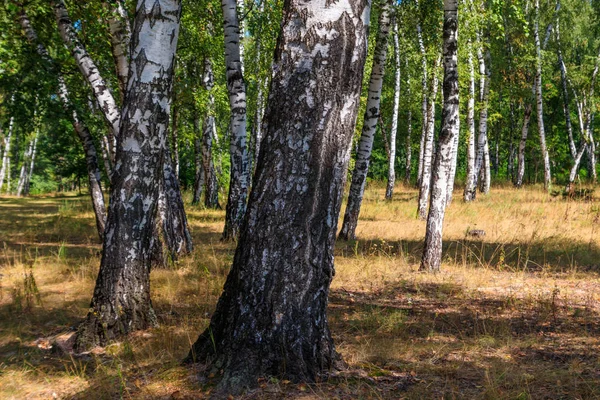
(513, 315)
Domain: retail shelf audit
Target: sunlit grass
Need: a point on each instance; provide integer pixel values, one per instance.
(514, 314)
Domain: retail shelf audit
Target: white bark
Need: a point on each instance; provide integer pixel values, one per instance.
(240, 167)
(23, 174)
(524, 134)
(5, 170)
(389, 192)
(471, 179)
(82, 131)
(88, 68)
(371, 118)
(428, 150)
(424, 104)
(539, 99)
(446, 155)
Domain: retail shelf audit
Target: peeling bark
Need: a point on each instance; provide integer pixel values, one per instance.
(271, 319)
(121, 301)
(371, 117)
(446, 156)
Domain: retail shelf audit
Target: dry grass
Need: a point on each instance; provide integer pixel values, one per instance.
(513, 315)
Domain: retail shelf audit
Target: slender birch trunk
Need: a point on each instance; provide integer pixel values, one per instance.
(271, 319)
(539, 99)
(240, 167)
(121, 301)
(471, 180)
(120, 36)
(371, 118)
(88, 68)
(209, 131)
(446, 155)
(408, 169)
(524, 134)
(428, 146)
(5, 170)
(199, 172)
(565, 93)
(389, 192)
(424, 105)
(27, 185)
(23, 173)
(82, 131)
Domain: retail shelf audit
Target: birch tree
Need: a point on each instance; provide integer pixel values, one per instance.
(239, 175)
(389, 191)
(471, 178)
(80, 128)
(539, 98)
(5, 169)
(271, 318)
(445, 156)
(371, 118)
(121, 301)
(425, 186)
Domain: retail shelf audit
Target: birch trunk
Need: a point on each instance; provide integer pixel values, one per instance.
(446, 155)
(428, 146)
(23, 173)
(27, 185)
(5, 170)
(199, 173)
(471, 179)
(389, 192)
(271, 319)
(424, 105)
(408, 169)
(539, 99)
(88, 68)
(239, 180)
(120, 35)
(371, 118)
(121, 301)
(82, 131)
(565, 93)
(209, 131)
(524, 133)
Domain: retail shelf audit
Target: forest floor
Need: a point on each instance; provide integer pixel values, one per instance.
(513, 315)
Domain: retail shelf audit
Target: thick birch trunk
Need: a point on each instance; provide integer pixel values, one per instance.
(82, 131)
(121, 301)
(240, 167)
(389, 192)
(5, 170)
(524, 133)
(539, 99)
(471, 179)
(88, 68)
(452, 175)
(428, 150)
(371, 118)
(271, 319)
(120, 35)
(446, 155)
